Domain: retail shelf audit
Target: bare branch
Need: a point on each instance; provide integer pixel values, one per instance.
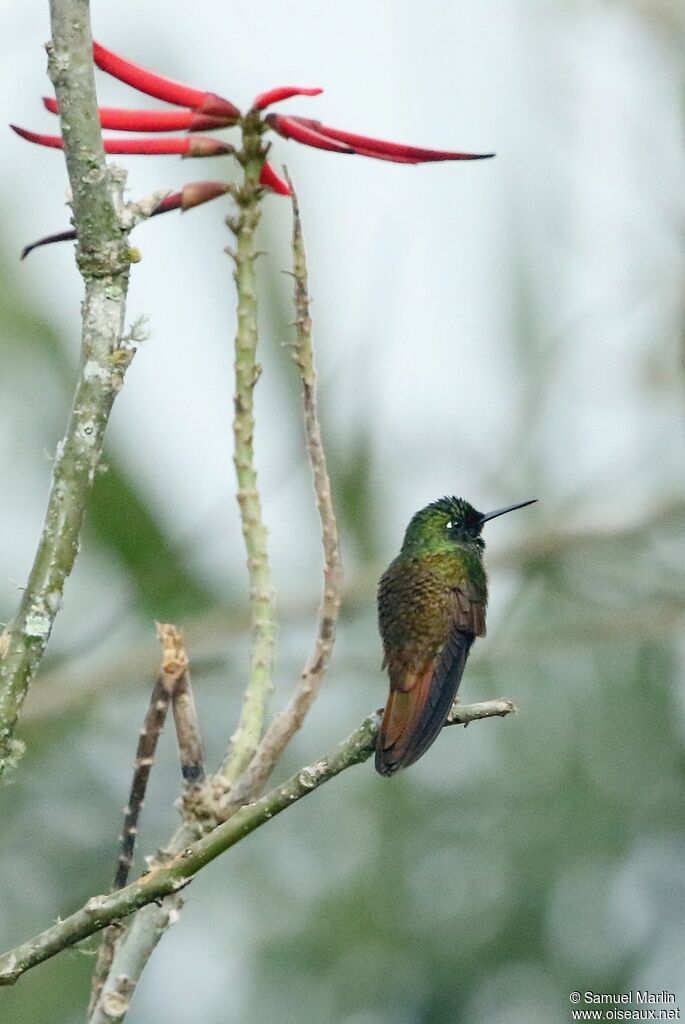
(188, 736)
(172, 684)
(142, 766)
(169, 878)
(462, 714)
(173, 669)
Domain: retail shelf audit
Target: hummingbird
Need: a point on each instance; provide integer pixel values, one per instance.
(431, 607)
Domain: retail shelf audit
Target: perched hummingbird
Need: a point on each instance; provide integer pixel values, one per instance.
(431, 607)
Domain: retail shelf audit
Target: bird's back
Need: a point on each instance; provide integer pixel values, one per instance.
(430, 609)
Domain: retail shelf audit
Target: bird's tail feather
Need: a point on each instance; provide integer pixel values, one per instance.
(413, 718)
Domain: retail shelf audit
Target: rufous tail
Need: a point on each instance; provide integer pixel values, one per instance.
(414, 717)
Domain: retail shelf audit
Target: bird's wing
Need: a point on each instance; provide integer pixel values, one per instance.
(469, 614)
(422, 689)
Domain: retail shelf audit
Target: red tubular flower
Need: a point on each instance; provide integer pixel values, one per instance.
(293, 128)
(208, 111)
(270, 179)
(194, 194)
(163, 88)
(61, 236)
(363, 145)
(53, 141)
(199, 145)
(117, 119)
(282, 92)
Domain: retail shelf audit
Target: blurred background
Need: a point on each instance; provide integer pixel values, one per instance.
(498, 330)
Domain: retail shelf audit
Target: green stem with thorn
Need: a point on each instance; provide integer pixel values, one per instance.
(244, 225)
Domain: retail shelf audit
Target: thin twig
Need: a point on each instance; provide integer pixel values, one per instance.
(172, 669)
(172, 685)
(260, 684)
(103, 258)
(188, 736)
(125, 952)
(170, 877)
(153, 724)
(155, 718)
(288, 721)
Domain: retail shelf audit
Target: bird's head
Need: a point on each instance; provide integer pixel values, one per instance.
(450, 521)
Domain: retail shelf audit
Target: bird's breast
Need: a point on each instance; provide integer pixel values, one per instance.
(414, 607)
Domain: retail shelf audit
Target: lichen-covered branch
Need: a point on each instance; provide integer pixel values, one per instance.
(70, 66)
(260, 683)
(168, 878)
(130, 959)
(463, 714)
(103, 258)
(288, 721)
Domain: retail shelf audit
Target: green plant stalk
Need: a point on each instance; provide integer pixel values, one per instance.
(287, 722)
(260, 684)
(135, 947)
(101, 911)
(104, 259)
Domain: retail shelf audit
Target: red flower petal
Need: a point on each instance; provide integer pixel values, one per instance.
(293, 128)
(118, 119)
(54, 141)
(197, 145)
(380, 149)
(61, 236)
(194, 194)
(202, 145)
(162, 88)
(191, 195)
(282, 92)
(270, 179)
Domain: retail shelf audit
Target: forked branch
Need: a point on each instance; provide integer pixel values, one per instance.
(288, 721)
(112, 989)
(171, 877)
